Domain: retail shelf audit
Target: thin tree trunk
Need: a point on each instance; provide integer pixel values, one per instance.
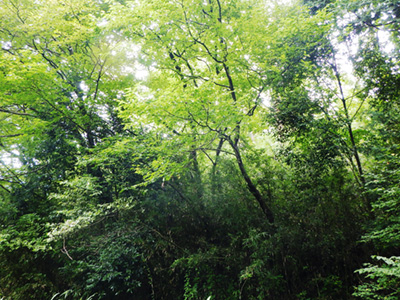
(349, 127)
(250, 185)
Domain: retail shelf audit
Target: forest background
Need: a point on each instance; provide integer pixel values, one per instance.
(187, 149)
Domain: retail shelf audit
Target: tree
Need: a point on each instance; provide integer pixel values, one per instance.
(375, 25)
(57, 81)
(213, 65)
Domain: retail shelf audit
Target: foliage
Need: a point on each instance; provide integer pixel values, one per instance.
(383, 279)
(191, 149)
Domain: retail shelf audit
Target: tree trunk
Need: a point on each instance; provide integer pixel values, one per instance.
(250, 185)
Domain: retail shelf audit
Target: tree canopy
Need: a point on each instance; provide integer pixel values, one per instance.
(187, 149)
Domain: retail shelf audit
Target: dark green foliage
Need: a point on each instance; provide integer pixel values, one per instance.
(111, 263)
(292, 113)
(321, 221)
